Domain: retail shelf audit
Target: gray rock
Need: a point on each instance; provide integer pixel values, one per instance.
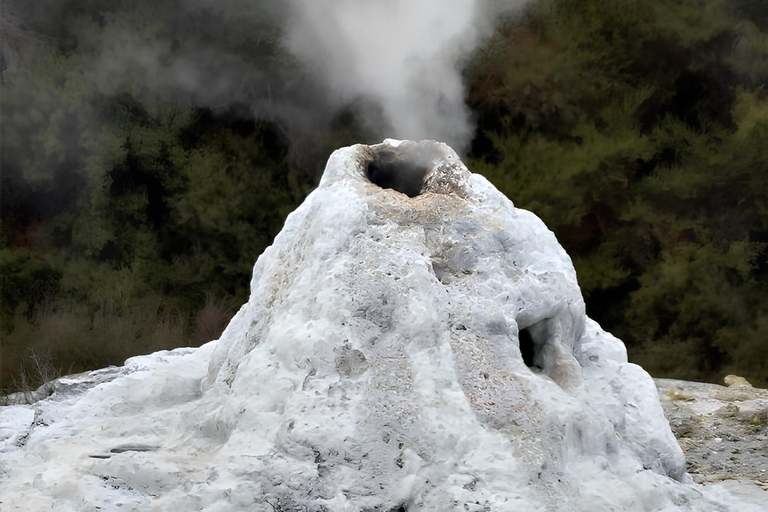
(723, 432)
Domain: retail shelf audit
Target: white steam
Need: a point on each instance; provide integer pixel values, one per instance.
(401, 55)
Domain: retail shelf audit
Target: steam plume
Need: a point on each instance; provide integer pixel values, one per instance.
(403, 56)
(395, 64)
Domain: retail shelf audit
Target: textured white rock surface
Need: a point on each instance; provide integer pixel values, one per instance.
(376, 365)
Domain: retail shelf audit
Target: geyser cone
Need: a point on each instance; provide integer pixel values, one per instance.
(412, 342)
(382, 344)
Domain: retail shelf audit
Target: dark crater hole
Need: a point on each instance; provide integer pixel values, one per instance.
(398, 170)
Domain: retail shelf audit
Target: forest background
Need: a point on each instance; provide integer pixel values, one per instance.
(149, 153)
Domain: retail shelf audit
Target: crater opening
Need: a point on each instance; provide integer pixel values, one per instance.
(398, 169)
(528, 348)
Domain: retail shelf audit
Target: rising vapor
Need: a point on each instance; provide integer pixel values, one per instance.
(403, 57)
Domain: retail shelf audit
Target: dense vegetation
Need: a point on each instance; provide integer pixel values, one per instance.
(146, 163)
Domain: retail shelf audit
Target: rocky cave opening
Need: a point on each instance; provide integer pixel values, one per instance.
(527, 348)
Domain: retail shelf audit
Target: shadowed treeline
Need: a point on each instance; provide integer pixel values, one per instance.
(151, 150)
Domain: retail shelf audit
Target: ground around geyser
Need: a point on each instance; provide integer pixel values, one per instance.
(723, 432)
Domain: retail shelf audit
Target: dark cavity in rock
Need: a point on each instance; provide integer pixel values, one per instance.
(401, 169)
(527, 348)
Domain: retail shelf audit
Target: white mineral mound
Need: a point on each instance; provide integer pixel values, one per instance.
(412, 342)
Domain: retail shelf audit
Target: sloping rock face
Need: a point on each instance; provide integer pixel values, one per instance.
(412, 342)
